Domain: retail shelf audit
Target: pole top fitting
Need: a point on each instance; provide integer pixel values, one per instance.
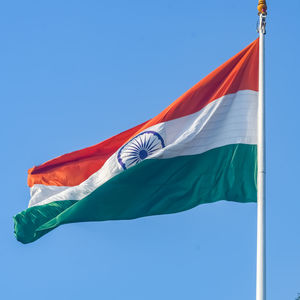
(262, 7)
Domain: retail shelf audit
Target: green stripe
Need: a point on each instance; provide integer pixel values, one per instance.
(27, 221)
(153, 187)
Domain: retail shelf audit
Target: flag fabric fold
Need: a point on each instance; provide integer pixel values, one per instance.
(200, 149)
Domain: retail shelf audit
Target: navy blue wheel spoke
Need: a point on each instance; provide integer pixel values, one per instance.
(138, 142)
(150, 144)
(133, 147)
(132, 154)
(132, 163)
(145, 141)
(152, 147)
(152, 151)
(132, 158)
(147, 144)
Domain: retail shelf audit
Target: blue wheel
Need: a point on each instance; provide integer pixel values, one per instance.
(139, 148)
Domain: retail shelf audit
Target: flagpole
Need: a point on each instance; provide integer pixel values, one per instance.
(261, 172)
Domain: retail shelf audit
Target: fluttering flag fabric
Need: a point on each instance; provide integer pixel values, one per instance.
(202, 148)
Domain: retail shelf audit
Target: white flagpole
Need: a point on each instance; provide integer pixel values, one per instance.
(261, 171)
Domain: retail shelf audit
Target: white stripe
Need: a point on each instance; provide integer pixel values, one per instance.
(230, 119)
(40, 192)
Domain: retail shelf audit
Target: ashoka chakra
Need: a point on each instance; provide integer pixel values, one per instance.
(139, 148)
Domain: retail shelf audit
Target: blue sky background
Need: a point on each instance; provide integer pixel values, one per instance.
(74, 73)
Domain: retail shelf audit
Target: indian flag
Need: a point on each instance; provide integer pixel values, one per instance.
(200, 149)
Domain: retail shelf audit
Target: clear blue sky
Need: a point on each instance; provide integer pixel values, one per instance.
(74, 73)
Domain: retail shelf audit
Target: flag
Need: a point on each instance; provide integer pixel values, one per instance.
(202, 148)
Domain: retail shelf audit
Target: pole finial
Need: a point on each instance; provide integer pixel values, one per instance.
(262, 7)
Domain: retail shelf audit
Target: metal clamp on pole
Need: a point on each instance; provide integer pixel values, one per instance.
(261, 25)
